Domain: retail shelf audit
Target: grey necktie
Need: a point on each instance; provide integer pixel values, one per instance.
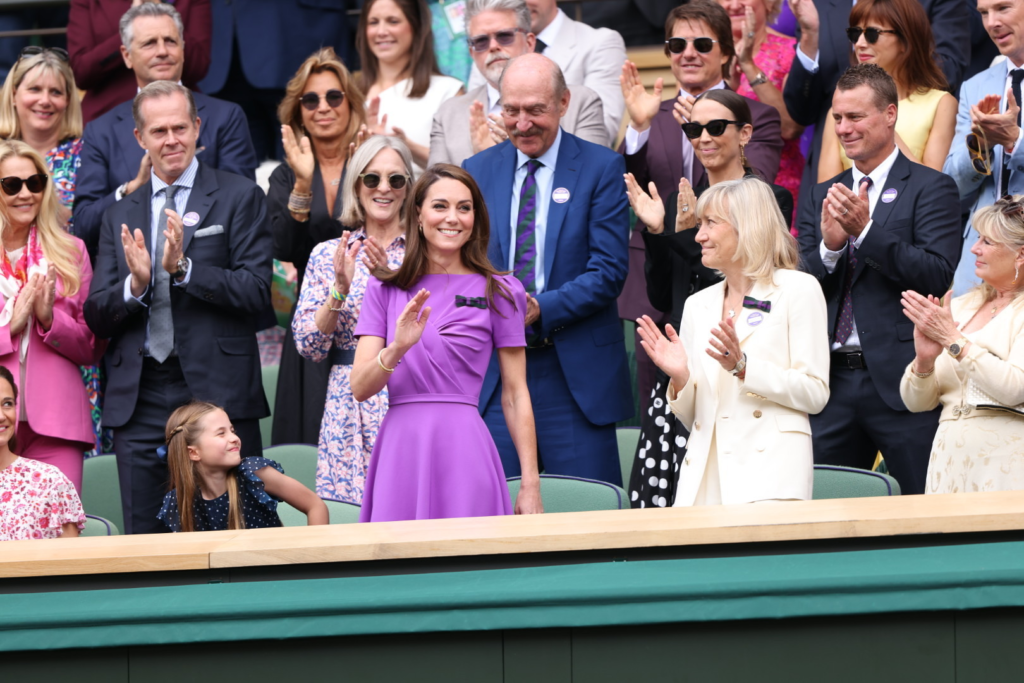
(161, 324)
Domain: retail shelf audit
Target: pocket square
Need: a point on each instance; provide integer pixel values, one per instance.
(211, 230)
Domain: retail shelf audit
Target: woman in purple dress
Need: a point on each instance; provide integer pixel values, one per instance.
(434, 457)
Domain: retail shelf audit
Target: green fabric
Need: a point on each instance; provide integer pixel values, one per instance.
(270, 373)
(627, 439)
(574, 495)
(340, 513)
(612, 593)
(298, 461)
(101, 490)
(846, 482)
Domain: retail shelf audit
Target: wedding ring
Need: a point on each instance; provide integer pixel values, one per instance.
(750, 35)
(686, 207)
(844, 211)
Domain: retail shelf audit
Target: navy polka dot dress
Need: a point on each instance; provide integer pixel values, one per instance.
(259, 508)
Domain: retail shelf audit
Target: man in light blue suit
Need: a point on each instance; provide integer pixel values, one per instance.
(989, 102)
(560, 222)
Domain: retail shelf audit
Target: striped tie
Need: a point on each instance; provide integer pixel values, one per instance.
(845, 321)
(525, 268)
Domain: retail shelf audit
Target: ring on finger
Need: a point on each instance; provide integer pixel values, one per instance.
(686, 207)
(844, 211)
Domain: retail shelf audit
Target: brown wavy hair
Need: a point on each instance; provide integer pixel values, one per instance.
(422, 60)
(717, 19)
(474, 251)
(12, 443)
(917, 69)
(320, 61)
(183, 430)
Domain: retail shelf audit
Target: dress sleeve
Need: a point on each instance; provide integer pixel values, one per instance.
(248, 478)
(373, 319)
(169, 512)
(64, 505)
(508, 321)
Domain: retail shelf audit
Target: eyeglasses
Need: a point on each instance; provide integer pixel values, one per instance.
(977, 147)
(871, 33)
(715, 128)
(35, 183)
(33, 50)
(701, 45)
(1009, 206)
(311, 100)
(396, 181)
(482, 42)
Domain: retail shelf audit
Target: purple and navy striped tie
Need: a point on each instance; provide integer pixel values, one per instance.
(525, 262)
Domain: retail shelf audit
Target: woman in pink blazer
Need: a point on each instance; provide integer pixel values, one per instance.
(44, 280)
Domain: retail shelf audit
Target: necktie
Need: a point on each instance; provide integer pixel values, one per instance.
(161, 325)
(1017, 75)
(525, 268)
(844, 323)
(540, 46)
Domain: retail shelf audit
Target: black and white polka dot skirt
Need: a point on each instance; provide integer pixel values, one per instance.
(659, 452)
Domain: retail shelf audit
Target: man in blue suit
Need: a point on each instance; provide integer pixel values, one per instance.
(990, 103)
(113, 164)
(885, 226)
(560, 222)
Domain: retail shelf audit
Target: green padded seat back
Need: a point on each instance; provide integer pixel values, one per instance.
(101, 491)
(298, 461)
(571, 494)
(270, 390)
(628, 438)
(340, 512)
(832, 481)
(97, 526)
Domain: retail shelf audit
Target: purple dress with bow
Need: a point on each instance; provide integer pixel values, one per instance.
(434, 457)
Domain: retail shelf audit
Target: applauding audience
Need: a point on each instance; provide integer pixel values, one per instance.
(44, 279)
(321, 115)
(970, 360)
(376, 197)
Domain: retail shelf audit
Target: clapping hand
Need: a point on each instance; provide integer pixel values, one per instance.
(999, 128)
(496, 128)
(667, 353)
(411, 323)
(345, 263)
(137, 256)
(24, 304)
(373, 254)
(725, 345)
(298, 155)
(173, 245)
(46, 293)
(649, 209)
(682, 109)
(479, 130)
(686, 206)
(641, 105)
(934, 328)
(851, 212)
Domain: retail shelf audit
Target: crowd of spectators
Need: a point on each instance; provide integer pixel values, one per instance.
(471, 199)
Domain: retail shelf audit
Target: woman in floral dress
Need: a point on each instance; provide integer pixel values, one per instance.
(375, 197)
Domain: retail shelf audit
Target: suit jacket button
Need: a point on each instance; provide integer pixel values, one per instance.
(56, 344)
(208, 296)
(757, 413)
(696, 426)
(140, 350)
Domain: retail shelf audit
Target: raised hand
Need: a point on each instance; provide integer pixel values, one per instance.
(479, 131)
(745, 46)
(932, 318)
(24, 304)
(851, 211)
(136, 255)
(807, 18)
(174, 235)
(373, 254)
(361, 135)
(46, 293)
(666, 352)
(375, 123)
(725, 345)
(686, 206)
(345, 263)
(682, 108)
(999, 128)
(298, 154)
(641, 105)
(649, 209)
(496, 126)
(145, 168)
(410, 325)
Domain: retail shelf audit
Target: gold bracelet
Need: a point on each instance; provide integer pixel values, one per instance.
(380, 362)
(922, 375)
(333, 309)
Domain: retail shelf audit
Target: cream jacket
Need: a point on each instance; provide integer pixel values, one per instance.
(760, 424)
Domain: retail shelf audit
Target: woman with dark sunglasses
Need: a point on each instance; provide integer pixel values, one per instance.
(376, 195)
(896, 35)
(321, 114)
(44, 281)
(720, 127)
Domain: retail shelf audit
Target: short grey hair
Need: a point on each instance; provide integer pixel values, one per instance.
(147, 9)
(158, 89)
(517, 7)
(353, 214)
(558, 78)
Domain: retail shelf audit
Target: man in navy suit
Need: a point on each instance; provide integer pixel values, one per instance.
(560, 222)
(182, 277)
(885, 226)
(113, 165)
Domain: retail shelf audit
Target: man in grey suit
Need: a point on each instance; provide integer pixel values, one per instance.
(498, 31)
(587, 56)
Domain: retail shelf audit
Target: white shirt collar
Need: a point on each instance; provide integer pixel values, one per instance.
(718, 86)
(881, 173)
(550, 32)
(548, 158)
(138, 89)
(186, 179)
(492, 97)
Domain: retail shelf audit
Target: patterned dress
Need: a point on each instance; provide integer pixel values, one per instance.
(36, 501)
(349, 428)
(63, 162)
(774, 59)
(259, 508)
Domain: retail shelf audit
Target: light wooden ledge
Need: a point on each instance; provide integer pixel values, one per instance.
(607, 530)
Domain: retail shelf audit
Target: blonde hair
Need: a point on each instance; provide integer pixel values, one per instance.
(184, 428)
(323, 60)
(764, 243)
(353, 213)
(48, 61)
(1008, 230)
(58, 246)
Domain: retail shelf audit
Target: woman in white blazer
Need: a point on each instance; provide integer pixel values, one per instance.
(751, 360)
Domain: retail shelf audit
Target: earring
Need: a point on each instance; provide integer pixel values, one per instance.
(1016, 273)
(743, 157)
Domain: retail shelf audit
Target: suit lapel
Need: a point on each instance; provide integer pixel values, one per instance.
(500, 201)
(567, 172)
(200, 200)
(706, 320)
(563, 52)
(129, 149)
(139, 217)
(673, 148)
(896, 181)
(761, 292)
(998, 86)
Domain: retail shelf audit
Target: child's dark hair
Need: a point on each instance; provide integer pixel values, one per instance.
(12, 443)
(183, 430)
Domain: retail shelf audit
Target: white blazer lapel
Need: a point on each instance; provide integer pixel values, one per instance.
(748, 319)
(706, 320)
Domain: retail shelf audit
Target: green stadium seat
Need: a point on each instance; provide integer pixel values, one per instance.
(97, 526)
(628, 437)
(101, 492)
(571, 494)
(298, 461)
(340, 512)
(270, 389)
(832, 481)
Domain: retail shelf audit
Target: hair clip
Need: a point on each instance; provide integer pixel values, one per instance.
(162, 452)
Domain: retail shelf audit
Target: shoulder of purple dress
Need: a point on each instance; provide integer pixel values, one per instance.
(514, 288)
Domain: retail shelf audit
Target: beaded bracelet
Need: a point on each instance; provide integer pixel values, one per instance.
(300, 203)
(337, 295)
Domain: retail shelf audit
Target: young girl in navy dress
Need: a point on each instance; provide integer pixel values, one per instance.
(214, 488)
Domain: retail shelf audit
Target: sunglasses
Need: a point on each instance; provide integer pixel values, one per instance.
(311, 100)
(977, 147)
(871, 34)
(482, 42)
(715, 128)
(1010, 206)
(701, 45)
(34, 183)
(396, 181)
(33, 50)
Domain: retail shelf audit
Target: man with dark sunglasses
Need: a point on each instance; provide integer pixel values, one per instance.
(987, 157)
(181, 285)
(699, 43)
(499, 30)
(113, 164)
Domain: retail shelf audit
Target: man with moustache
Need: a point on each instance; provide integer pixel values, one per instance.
(499, 30)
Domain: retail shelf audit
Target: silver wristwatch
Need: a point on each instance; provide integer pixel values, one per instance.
(182, 268)
(741, 365)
